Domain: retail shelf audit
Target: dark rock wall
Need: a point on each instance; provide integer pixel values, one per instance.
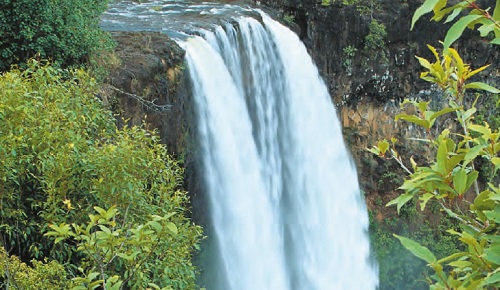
(149, 86)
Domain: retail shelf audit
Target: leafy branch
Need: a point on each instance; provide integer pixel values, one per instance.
(452, 172)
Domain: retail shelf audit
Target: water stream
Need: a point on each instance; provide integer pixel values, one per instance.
(284, 197)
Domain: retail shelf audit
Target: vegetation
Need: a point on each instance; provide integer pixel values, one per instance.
(65, 31)
(364, 7)
(398, 269)
(349, 52)
(374, 49)
(450, 178)
(95, 204)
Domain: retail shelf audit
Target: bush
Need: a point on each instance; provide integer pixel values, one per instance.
(62, 159)
(450, 177)
(17, 275)
(65, 31)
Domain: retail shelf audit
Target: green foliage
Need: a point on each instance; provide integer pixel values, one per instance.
(364, 7)
(109, 242)
(62, 158)
(349, 52)
(374, 49)
(399, 269)
(375, 38)
(65, 31)
(289, 19)
(17, 275)
(476, 17)
(451, 173)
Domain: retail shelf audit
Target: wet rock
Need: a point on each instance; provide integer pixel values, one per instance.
(148, 85)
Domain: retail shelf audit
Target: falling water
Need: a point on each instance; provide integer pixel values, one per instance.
(285, 201)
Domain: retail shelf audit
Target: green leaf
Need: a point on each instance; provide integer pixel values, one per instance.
(383, 146)
(492, 279)
(414, 119)
(105, 229)
(425, 8)
(400, 200)
(480, 129)
(496, 162)
(453, 15)
(496, 17)
(172, 227)
(442, 157)
(424, 62)
(452, 257)
(442, 112)
(469, 113)
(425, 198)
(476, 71)
(156, 226)
(91, 276)
(471, 241)
(485, 29)
(496, 41)
(458, 28)
(130, 257)
(460, 264)
(493, 215)
(417, 249)
(482, 86)
(473, 153)
(492, 254)
(471, 177)
(422, 106)
(460, 181)
(453, 161)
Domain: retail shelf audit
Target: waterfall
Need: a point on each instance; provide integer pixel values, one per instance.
(284, 197)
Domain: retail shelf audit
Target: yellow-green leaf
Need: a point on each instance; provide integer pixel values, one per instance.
(417, 249)
(383, 146)
(492, 254)
(400, 200)
(425, 198)
(460, 181)
(460, 264)
(414, 119)
(480, 129)
(496, 17)
(482, 86)
(424, 63)
(492, 279)
(473, 153)
(172, 227)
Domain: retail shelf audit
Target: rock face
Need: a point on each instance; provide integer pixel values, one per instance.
(149, 85)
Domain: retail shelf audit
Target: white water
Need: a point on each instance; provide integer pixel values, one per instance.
(285, 202)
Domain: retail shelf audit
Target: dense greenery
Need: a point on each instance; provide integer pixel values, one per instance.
(451, 177)
(65, 31)
(101, 202)
(399, 269)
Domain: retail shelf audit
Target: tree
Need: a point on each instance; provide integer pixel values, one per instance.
(65, 31)
(452, 171)
(106, 203)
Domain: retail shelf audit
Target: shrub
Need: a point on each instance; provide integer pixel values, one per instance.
(62, 158)
(451, 176)
(65, 31)
(18, 275)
